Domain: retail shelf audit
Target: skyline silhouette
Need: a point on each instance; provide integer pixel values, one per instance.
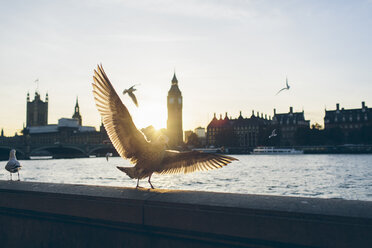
(229, 56)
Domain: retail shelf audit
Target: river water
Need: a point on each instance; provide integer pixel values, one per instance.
(325, 176)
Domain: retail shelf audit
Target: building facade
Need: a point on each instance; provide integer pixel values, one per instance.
(352, 125)
(287, 125)
(37, 111)
(348, 119)
(174, 122)
(239, 132)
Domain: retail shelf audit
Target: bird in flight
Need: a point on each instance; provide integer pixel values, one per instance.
(130, 143)
(131, 94)
(109, 154)
(273, 134)
(13, 164)
(286, 87)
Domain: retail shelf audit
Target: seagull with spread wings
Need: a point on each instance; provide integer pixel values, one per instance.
(131, 94)
(286, 86)
(130, 143)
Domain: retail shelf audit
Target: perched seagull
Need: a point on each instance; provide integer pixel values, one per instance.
(109, 154)
(13, 164)
(273, 134)
(286, 88)
(130, 143)
(131, 94)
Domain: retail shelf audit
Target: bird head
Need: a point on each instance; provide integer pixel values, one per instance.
(12, 153)
(125, 91)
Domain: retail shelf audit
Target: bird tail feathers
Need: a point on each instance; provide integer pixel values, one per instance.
(128, 170)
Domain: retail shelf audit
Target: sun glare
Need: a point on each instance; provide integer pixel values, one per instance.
(154, 115)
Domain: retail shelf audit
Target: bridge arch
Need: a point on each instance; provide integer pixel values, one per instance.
(60, 151)
(101, 150)
(4, 152)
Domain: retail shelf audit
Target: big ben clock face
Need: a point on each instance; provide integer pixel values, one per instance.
(171, 100)
(179, 100)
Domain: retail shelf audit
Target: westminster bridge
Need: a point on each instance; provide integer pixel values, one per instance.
(75, 146)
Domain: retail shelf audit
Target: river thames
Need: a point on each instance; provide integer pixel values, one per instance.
(325, 176)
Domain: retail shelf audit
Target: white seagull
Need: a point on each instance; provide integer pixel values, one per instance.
(131, 94)
(109, 154)
(286, 88)
(13, 164)
(148, 157)
(273, 134)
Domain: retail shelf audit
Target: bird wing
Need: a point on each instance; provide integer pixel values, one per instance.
(281, 91)
(177, 162)
(128, 141)
(134, 98)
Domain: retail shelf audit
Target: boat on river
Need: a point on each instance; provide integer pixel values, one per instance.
(275, 151)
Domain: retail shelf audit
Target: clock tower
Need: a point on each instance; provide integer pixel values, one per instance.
(174, 122)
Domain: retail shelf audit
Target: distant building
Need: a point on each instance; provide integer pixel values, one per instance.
(288, 124)
(353, 125)
(201, 134)
(348, 119)
(37, 111)
(187, 135)
(240, 132)
(76, 114)
(174, 122)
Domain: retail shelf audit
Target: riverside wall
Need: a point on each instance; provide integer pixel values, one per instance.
(62, 215)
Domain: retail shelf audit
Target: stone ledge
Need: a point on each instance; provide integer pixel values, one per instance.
(172, 217)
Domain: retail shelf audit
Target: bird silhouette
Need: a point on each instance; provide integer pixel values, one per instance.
(273, 134)
(131, 94)
(130, 143)
(109, 154)
(13, 164)
(285, 88)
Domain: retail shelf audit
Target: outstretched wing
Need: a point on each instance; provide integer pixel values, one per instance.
(281, 91)
(186, 162)
(134, 99)
(128, 141)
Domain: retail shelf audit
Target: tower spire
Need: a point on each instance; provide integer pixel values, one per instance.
(174, 79)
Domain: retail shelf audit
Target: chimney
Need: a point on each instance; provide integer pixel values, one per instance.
(337, 106)
(363, 105)
(261, 115)
(291, 110)
(258, 114)
(252, 112)
(274, 111)
(265, 116)
(220, 116)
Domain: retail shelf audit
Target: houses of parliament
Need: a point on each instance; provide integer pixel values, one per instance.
(38, 134)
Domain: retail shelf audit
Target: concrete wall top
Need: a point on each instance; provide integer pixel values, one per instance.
(239, 218)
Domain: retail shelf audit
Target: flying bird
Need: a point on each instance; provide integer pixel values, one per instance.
(131, 94)
(285, 88)
(13, 164)
(148, 157)
(109, 154)
(273, 134)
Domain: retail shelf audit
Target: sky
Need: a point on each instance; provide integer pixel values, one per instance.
(229, 56)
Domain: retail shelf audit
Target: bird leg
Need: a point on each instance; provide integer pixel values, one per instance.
(18, 176)
(150, 181)
(11, 179)
(138, 184)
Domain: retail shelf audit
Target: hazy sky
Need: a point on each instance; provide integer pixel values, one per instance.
(228, 56)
